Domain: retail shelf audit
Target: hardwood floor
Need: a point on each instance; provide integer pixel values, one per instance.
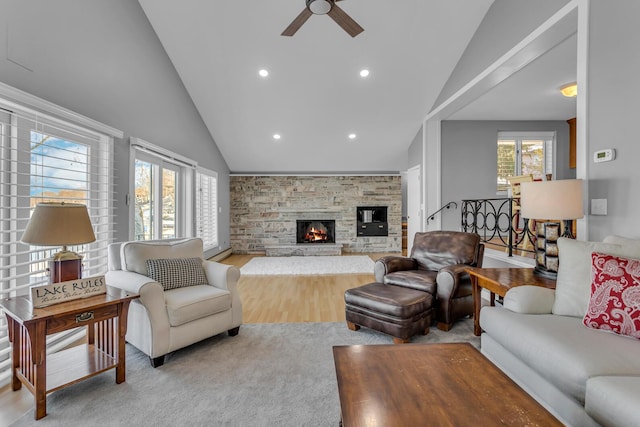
(265, 299)
(279, 299)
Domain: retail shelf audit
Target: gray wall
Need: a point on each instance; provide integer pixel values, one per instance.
(103, 60)
(415, 150)
(469, 159)
(612, 102)
(613, 105)
(506, 23)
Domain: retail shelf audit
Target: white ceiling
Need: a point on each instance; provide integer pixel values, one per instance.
(314, 96)
(531, 93)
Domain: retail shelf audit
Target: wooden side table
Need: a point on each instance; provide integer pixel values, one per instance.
(105, 317)
(498, 281)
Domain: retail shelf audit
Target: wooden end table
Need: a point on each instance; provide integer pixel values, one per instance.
(105, 317)
(429, 384)
(498, 281)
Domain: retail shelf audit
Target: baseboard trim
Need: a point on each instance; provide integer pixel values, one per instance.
(222, 255)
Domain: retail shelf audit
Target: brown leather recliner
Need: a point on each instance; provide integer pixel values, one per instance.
(436, 266)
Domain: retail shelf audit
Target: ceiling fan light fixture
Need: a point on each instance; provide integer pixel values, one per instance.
(352, 136)
(319, 7)
(263, 73)
(364, 73)
(569, 90)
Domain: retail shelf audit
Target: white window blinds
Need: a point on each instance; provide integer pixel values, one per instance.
(45, 158)
(207, 208)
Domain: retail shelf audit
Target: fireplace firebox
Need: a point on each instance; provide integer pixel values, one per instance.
(315, 231)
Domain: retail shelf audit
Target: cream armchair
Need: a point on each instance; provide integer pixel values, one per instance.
(162, 321)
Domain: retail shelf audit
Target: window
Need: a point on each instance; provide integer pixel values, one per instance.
(156, 186)
(173, 196)
(523, 153)
(163, 193)
(207, 208)
(49, 158)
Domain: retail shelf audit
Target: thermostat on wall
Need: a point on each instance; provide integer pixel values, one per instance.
(604, 155)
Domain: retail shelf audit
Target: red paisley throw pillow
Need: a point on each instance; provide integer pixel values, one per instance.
(615, 295)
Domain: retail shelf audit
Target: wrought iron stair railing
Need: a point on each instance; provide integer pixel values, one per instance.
(447, 206)
(498, 224)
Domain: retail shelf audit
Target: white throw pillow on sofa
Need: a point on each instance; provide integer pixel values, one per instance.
(573, 285)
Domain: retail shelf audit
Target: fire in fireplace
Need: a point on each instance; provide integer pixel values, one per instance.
(315, 231)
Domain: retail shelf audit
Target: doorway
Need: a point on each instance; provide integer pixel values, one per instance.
(414, 200)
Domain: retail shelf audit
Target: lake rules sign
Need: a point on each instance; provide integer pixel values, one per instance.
(44, 295)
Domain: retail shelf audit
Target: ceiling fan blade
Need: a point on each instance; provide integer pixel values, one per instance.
(345, 21)
(297, 23)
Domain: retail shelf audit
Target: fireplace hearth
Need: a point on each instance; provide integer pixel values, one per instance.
(315, 231)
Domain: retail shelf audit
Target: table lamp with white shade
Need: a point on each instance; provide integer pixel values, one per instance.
(559, 200)
(60, 224)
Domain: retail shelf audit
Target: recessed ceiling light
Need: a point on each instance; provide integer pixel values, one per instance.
(263, 73)
(276, 136)
(352, 136)
(364, 73)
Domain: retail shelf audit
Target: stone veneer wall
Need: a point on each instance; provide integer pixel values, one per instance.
(264, 209)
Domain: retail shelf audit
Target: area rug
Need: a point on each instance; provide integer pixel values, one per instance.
(307, 265)
(268, 375)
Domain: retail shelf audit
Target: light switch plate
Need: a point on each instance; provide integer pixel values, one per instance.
(598, 206)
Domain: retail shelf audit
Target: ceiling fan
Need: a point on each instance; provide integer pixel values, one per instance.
(324, 7)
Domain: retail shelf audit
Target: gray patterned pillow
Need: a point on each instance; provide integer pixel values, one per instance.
(175, 273)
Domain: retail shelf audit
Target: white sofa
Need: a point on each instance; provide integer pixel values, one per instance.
(586, 377)
(162, 321)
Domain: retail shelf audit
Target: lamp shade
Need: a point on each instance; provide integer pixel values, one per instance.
(554, 200)
(59, 224)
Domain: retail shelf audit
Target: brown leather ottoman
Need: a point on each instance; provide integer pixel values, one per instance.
(394, 310)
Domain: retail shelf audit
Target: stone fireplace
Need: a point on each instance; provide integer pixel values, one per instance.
(265, 211)
(315, 231)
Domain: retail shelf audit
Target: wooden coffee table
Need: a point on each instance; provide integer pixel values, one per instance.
(498, 281)
(429, 384)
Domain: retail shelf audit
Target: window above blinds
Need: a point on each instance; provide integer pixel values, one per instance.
(48, 157)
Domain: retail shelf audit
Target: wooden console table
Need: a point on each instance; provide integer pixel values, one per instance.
(429, 384)
(498, 281)
(105, 317)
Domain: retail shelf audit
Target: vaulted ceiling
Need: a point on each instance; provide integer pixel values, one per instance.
(531, 93)
(314, 96)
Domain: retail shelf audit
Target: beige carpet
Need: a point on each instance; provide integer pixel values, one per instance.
(268, 375)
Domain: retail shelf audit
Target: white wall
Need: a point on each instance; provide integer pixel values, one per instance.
(613, 108)
(102, 59)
